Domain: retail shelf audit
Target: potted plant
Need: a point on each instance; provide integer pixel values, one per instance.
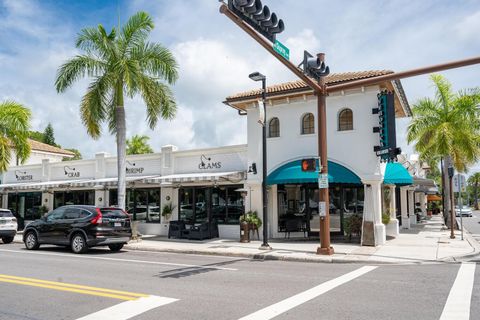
(167, 210)
(352, 226)
(43, 210)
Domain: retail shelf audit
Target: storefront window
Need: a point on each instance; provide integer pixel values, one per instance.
(78, 197)
(141, 204)
(222, 204)
(25, 206)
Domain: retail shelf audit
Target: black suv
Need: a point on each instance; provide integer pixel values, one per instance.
(80, 227)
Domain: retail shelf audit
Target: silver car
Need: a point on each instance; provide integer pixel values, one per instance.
(464, 212)
(8, 226)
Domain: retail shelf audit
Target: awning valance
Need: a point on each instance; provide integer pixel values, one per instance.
(233, 176)
(396, 174)
(434, 197)
(40, 185)
(109, 182)
(291, 173)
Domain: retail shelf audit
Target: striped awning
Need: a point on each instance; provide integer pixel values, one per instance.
(39, 185)
(232, 176)
(109, 182)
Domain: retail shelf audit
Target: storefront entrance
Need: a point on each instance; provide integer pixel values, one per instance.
(298, 207)
(25, 206)
(78, 197)
(142, 204)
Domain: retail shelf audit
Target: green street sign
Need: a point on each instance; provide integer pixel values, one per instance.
(281, 49)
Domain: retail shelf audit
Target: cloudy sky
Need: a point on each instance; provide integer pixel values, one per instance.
(215, 57)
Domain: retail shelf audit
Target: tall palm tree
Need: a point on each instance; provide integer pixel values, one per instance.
(14, 131)
(138, 144)
(121, 63)
(447, 126)
(474, 181)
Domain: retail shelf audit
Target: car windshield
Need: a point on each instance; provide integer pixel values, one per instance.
(112, 213)
(4, 214)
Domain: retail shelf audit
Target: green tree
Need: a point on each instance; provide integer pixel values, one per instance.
(36, 135)
(448, 127)
(77, 155)
(14, 130)
(138, 144)
(474, 181)
(49, 136)
(121, 63)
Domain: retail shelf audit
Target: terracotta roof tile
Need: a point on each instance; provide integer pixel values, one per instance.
(40, 146)
(333, 78)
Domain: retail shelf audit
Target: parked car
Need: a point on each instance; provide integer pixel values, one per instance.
(80, 227)
(8, 226)
(465, 211)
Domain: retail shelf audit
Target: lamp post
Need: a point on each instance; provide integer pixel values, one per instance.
(452, 205)
(257, 76)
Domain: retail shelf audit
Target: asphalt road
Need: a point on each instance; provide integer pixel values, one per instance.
(53, 283)
(472, 224)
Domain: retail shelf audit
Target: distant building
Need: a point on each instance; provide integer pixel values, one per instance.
(41, 151)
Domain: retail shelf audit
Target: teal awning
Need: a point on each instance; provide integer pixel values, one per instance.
(396, 174)
(291, 173)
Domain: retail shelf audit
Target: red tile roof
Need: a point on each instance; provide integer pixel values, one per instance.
(40, 146)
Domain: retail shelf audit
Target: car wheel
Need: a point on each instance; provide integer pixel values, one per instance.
(116, 247)
(7, 239)
(78, 243)
(31, 241)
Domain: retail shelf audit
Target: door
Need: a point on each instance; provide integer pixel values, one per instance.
(63, 227)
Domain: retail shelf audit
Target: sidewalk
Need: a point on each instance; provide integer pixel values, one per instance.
(426, 242)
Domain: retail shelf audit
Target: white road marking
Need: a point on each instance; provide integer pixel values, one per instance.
(298, 299)
(121, 260)
(129, 309)
(457, 306)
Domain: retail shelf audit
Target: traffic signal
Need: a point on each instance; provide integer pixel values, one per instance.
(258, 17)
(313, 67)
(309, 165)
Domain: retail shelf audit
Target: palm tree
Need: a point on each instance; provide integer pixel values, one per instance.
(14, 131)
(474, 181)
(138, 144)
(121, 63)
(447, 126)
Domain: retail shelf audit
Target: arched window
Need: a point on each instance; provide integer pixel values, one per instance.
(308, 124)
(345, 120)
(274, 128)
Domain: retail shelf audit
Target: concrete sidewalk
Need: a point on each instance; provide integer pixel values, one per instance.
(426, 242)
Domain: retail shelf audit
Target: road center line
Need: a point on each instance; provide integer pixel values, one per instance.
(458, 302)
(298, 299)
(121, 260)
(129, 309)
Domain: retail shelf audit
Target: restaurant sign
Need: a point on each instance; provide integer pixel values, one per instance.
(207, 163)
(132, 169)
(71, 172)
(23, 176)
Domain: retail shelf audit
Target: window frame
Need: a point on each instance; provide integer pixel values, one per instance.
(303, 128)
(347, 126)
(277, 131)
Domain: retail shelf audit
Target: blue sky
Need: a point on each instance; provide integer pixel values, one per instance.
(215, 57)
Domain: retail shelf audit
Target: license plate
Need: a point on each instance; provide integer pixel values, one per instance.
(117, 224)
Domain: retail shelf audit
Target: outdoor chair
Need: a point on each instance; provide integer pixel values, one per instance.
(294, 225)
(176, 229)
(200, 232)
(214, 229)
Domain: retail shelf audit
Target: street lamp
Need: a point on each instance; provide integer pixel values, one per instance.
(257, 76)
(452, 205)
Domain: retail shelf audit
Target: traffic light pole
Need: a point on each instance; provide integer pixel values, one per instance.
(325, 247)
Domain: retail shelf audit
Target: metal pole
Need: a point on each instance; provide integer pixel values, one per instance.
(264, 245)
(325, 247)
(460, 200)
(452, 209)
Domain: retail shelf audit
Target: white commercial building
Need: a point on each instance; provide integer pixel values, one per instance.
(201, 184)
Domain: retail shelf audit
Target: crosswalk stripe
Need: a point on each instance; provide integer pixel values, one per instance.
(457, 306)
(298, 299)
(129, 309)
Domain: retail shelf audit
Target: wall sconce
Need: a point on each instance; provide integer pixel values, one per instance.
(167, 198)
(100, 199)
(252, 168)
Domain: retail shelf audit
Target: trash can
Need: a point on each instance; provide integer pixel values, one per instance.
(244, 232)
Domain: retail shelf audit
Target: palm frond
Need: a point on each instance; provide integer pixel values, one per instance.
(77, 68)
(94, 104)
(159, 100)
(157, 61)
(135, 31)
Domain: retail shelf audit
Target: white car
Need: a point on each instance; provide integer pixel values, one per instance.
(465, 211)
(8, 226)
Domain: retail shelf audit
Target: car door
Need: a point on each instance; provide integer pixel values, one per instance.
(65, 225)
(48, 230)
